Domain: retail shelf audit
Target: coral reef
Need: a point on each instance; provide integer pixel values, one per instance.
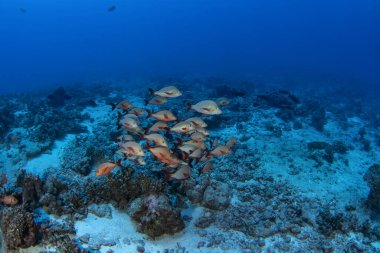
(155, 215)
(58, 97)
(281, 99)
(18, 227)
(372, 176)
(217, 196)
(6, 118)
(122, 187)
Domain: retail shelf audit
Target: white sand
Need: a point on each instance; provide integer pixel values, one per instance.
(40, 164)
(121, 229)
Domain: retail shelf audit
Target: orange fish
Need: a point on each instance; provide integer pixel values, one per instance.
(220, 151)
(164, 155)
(133, 148)
(197, 122)
(222, 101)
(187, 148)
(200, 130)
(136, 111)
(159, 126)
(129, 123)
(107, 167)
(196, 154)
(163, 115)
(123, 105)
(157, 139)
(167, 92)
(197, 144)
(156, 101)
(4, 179)
(197, 137)
(231, 142)
(214, 143)
(124, 138)
(9, 200)
(206, 107)
(183, 172)
(182, 127)
(206, 167)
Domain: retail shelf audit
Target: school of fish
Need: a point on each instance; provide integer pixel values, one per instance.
(181, 146)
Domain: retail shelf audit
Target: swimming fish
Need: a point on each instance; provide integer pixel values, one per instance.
(123, 105)
(158, 126)
(107, 167)
(231, 142)
(206, 107)
(136, 111)
(133, 148)
(187, 148)
(4, 179)
(136, 159)
(167, 92)
(207, 167)
(124, 138)
(133, 116)
(163, 115)
(197, 144)
(197, 137)
(197, 122)
(220, 151)
(200, 130)
(129, 123)
(182, 127)
(156, 101)
(112, 8)
(214, 143)
(183, 172)
(223, 101)
(158, 139)
(164, 155)
(196, 154)
(9, 200)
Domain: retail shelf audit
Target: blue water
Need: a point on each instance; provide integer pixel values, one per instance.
(47, 43)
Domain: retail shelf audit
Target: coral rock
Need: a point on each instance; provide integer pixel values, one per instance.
(217, 196)
(155, 215)
(18, 227)
(372, 176)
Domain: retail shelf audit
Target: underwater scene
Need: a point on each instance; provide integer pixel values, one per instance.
(189, 126)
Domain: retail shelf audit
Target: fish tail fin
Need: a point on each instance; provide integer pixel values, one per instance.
(147, 146)
(207, 152)
(179, 140)
(119, 115)
(167, 130)
(151, 92)
(149, 112)
(119, 163)
(113, 106)
(187, 103)
(190, 163)
(166, 175)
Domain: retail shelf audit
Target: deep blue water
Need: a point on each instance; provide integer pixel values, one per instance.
(46, 43)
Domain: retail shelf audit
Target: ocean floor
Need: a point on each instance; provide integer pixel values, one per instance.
(288, 186)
